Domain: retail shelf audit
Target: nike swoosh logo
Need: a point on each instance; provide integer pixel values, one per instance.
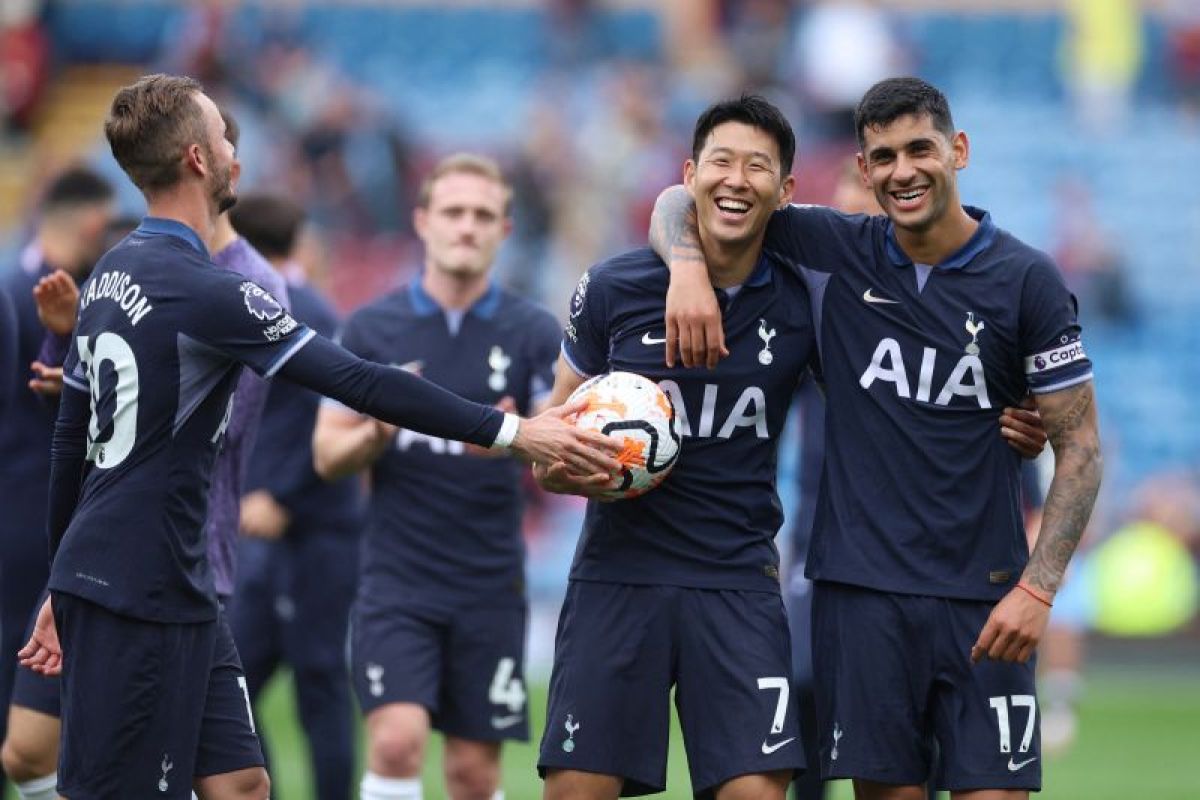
(767, 749)
(648, 339)
(870, 298)
(1013, 767)
(507, 722)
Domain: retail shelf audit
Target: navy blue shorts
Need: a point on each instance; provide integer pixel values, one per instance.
(894, 674)
(164, 704)
(619, 650)
(465, 665)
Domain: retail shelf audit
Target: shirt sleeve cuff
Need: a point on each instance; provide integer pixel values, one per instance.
(508, 432)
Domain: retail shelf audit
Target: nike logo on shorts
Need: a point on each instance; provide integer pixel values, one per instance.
(648, 339)
(767, 749)
(1014, 766)
(870, 298)
(501, 723)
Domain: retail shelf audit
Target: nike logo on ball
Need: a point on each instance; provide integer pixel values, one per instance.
(1014, 766)
(767, 749)
(507, 722)
(870, 298)
(648, 339)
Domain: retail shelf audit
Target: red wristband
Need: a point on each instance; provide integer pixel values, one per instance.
(1034, 595)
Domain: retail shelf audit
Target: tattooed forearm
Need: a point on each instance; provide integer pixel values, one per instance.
(673, 232)
(1070, 418)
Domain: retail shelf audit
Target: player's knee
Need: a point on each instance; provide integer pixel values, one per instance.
(24, 760)
(472, 778)
(397, 752)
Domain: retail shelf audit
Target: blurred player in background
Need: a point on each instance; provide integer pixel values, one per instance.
(918, 525)
(148, 383)
(298, 557)
(69, 237)
(8, 350)
(438, 627)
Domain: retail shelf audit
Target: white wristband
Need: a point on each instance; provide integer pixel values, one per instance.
(508, 432)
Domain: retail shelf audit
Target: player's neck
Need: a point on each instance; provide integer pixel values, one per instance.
(223, 235)
(191, 208)
(730, 264)
(454, 292)
(938, 243)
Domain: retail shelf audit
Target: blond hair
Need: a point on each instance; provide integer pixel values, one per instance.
(468, 164)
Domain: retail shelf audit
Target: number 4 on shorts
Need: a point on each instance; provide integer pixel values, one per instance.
(507, 690)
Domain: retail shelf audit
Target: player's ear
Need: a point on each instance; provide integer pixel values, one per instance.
(786, 189)
(420, 220)
(193, 159)
(863, 172)
(962, 150)
(689, 177)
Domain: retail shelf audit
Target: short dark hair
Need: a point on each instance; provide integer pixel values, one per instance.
(150, 124)
(890, 99)
(753, 110)
(76, 186)
(269, 222)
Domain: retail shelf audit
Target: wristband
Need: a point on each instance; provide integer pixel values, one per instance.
(507, 433)
(1034, 595)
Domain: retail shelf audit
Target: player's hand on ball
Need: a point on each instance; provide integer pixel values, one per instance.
(43, 654)
(1013, 629)
(694, 321)
(1023, 429)
(558, 479)
(550, 437)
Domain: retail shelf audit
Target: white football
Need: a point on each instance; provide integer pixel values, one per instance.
(634, 410)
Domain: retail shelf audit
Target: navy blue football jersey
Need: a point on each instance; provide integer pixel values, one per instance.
(444, 525)
(159, 343)
(920, 493)
(712, 522)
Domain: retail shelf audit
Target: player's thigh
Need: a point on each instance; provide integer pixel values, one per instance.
(251, 783)
(133, 697)
(873, 667)
(991, 794)
(472, 768)
(609, 705)
(397, 655)
(254, 613)
(229, 742)
(771, 786)
(734, 692)
(322, 576)
(565, 784)
(986, 715)
(484, 697)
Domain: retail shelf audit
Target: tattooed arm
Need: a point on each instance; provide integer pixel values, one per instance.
(1017, 622)
(693, 316)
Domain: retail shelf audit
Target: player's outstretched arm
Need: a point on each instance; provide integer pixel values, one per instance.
(693, 317)
(345, 442)
(557, 477)
(1016, 624)
(409, 401)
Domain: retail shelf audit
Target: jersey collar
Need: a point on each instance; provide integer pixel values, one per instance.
(983, 237)
(158, 226)
(424, 304)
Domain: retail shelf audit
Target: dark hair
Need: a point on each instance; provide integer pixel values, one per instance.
(149, 126)
(269, 222)
(232, 132)
(76, 186)
(753, 110)
(890, 99)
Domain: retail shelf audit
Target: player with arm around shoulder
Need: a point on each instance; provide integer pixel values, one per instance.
(931, 321)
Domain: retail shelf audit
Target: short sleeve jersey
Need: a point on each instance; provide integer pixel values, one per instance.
(711, 524)
(444, 524)
(159, 343)
(920, 493)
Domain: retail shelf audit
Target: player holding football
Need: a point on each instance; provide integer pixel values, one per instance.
(159, 341)
(928, 605)
(438, 627)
